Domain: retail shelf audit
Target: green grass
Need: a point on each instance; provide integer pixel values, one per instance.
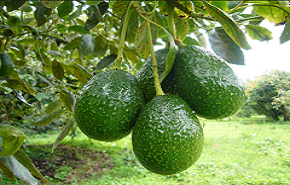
(250, 151)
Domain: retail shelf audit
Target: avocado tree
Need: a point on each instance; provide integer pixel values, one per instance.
(50, 49)
(268, 94)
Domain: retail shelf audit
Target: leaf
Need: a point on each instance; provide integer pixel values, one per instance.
(272, 12)
(225, 47)
(87, 45)
(100, 47)
(47, 119)
(13, 5)
(182, 27)
(12, 139)
(13, 21)
(65, 8)
(57, 70)
(133, 25)
(190, 41)
(63, 134)
(259, 33)
(27, 163)
(53, 106)
(106, 61)
(68, 99)
(229, 25)
(75, 43)
(120, 7)
(82, 74)
(55, 53)
(21, 98)
(75, 14)
(223, 5)
(93, 19)
(40, 96)
(19, 170)
(51, 4)
(15, 82)
(131, 56)
(78, 29)
(285, 36)
(41, 13)
(7, 173)
(142, 42)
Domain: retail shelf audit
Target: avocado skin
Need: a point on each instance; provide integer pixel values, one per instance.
(167, 137)
(207, 83)
(6, 65)
(146, 79)
(108, 105)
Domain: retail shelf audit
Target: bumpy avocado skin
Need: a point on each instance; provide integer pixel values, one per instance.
(108, 105)
(6, 65)
(207, 83)
(167, 137)
(146, 79)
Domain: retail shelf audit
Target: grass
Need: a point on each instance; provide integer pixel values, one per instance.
(250, 151)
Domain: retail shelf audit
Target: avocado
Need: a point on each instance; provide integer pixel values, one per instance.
(6, 65)
(146, 79)
(108, 105)
(207, 83)
(167, 137)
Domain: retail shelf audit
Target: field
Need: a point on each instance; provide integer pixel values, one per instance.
(249, 151)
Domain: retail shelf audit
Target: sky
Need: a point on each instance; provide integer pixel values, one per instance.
(264, 56)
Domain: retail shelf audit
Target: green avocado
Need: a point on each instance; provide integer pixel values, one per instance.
(146, 79)
(167, 137)
(108, 105)
(6, 66)
(207, 83)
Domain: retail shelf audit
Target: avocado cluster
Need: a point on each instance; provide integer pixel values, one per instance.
(167, 136)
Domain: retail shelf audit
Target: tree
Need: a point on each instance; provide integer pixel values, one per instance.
(57, 46)
(269, 94)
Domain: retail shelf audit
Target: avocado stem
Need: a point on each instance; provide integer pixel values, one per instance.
(158, 88)
(118, 62)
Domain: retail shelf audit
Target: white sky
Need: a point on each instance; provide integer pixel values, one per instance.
(265, 56)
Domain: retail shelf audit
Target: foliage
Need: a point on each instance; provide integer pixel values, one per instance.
(269, 94)
(57, 46)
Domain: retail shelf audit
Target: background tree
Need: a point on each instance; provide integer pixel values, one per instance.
(269, 94)
(55, 47)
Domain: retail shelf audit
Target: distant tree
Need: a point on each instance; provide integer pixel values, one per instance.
(269, 94)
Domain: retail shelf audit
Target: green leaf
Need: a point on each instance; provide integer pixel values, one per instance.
(272, 12)
(65, 8)
(75, 43)
(78, 29)
(68, 99)
(182, 27)
(190, 41)
(13, 21)
(27, 163)
(63, 134)
(229, 25)
(19, 170)
(93, 2)
(225, 47)
(53, 106)
(285, 36)
(120, 7)
(87, 45)
(41, 96)
(142, 42)
(57, 70)
(100, 47)
(82, 74)
(12, 139)
(41, 13)
(106, 61)
(133, 25)
(54, 53)
(75, 14)
(47, 119)
(223, 5)
(13, 5)
(15, 82)
(259, 33)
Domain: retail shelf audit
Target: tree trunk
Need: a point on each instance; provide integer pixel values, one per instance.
(286, 116)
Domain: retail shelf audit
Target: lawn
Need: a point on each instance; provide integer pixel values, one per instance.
(250, 151)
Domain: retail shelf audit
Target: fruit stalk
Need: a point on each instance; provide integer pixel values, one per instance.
(171, 21)
(158, 88)
(118, 63)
